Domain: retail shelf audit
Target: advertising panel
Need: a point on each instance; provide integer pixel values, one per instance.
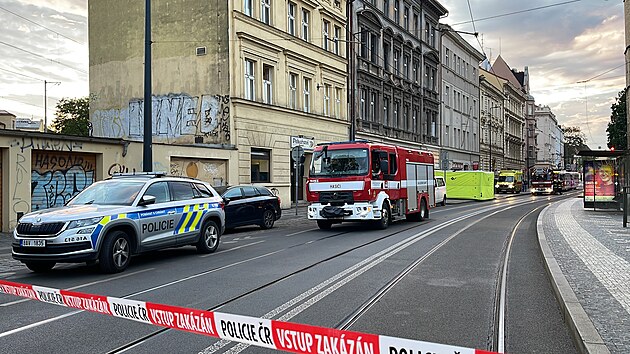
(599, 181)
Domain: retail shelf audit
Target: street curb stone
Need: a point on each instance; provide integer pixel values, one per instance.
(585, 334)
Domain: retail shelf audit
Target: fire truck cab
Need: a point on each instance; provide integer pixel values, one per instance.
(362, 181)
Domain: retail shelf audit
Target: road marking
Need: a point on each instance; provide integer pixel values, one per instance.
(37, 324)
(232, 249)
(84, 285)
(612, 271)
(299, 232)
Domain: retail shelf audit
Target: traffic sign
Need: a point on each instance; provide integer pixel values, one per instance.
(296, 153)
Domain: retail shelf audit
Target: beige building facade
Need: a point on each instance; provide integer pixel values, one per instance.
(238, 83)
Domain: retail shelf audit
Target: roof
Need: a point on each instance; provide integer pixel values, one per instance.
(6, 113)
(601, 153)
(501, 68)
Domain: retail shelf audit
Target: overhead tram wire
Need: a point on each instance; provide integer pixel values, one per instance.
(40, 25)
(517, 12)
(43, 57)
(20, 74)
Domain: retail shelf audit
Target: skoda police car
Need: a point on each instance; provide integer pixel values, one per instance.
(127, 214)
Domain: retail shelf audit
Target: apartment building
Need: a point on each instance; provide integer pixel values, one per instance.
(396, 72)
(491, 121)
(235, 86)
(459, 128)
(549, 139)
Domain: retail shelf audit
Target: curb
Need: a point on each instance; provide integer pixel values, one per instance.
(585, 335)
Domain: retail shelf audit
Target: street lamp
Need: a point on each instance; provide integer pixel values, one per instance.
(45, 103)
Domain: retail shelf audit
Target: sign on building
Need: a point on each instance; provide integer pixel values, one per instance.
(304, 143)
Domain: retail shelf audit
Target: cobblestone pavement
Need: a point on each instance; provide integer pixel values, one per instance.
(592, 250)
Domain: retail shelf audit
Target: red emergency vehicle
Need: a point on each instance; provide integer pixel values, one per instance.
(362, 181)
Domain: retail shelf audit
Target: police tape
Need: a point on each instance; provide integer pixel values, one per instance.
(285, 336)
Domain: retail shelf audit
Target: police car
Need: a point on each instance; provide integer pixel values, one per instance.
(127, 214)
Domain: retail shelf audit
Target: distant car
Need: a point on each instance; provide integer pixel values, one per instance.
(250, 205)
(440, 191)
(112, 220)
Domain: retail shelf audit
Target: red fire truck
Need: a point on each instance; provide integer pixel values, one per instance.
(362, 181)
(542, 182)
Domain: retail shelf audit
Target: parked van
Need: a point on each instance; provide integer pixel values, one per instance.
(510, 181)
(440, 191)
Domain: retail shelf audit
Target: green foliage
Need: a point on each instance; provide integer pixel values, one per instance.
(617, 128)
(73, 116)
(574, 139)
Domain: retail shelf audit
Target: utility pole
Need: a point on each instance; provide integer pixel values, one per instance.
(46, 103)
(147, 146)
(351, 72)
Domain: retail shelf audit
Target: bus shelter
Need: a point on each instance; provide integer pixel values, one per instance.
(603, 178)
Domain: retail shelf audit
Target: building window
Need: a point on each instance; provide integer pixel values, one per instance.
(447, 96)
(306, 90)
(267, 84)
(293, 79)
(373, 48)
(397, 62)
(336, 37)
(386, 57)
(291, 18)
(416, 71)
(414, 120)
(364, 43)
(325, 34)
(406, 66)
(395, 119)
(305, 21)
(373, 113)
(386, 8)
(265, 11)
(250, 80)
(363, 109)
(406, 18)
(327, 100)
(386, 111)
(396, 6)
(447, 53)
(248, 7)
(416, 24)
(405, 125)
(260, 165)
(338, 94)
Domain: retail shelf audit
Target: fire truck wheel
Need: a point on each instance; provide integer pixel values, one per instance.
(383, 223)
(424, 211)
(324, 224)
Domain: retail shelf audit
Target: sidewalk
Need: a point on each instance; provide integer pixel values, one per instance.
(587, 255)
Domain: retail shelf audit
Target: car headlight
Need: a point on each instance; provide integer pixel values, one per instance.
(84, 222)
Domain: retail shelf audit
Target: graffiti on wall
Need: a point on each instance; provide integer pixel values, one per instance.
(175, 117)
(26, 143)
(56, 177)
(211, 171)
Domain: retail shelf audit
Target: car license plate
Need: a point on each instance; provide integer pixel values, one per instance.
(33, 243)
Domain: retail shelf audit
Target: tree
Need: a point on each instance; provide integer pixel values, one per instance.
(574, 140)
(73, 116)
(617, 128)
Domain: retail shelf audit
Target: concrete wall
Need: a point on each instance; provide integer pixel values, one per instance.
(40, 170)
(190, 92)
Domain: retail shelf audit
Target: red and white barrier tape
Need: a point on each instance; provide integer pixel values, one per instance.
(286, 336)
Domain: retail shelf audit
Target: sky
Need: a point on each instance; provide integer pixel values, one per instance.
(574, 51)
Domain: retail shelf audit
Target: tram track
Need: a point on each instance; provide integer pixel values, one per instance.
(286, 312)
(291, 309)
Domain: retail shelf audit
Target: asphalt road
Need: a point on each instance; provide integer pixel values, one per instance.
(435, 281)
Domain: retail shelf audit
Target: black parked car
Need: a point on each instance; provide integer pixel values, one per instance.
(250, 205)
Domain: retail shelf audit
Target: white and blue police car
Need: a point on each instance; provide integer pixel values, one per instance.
(116, 218)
